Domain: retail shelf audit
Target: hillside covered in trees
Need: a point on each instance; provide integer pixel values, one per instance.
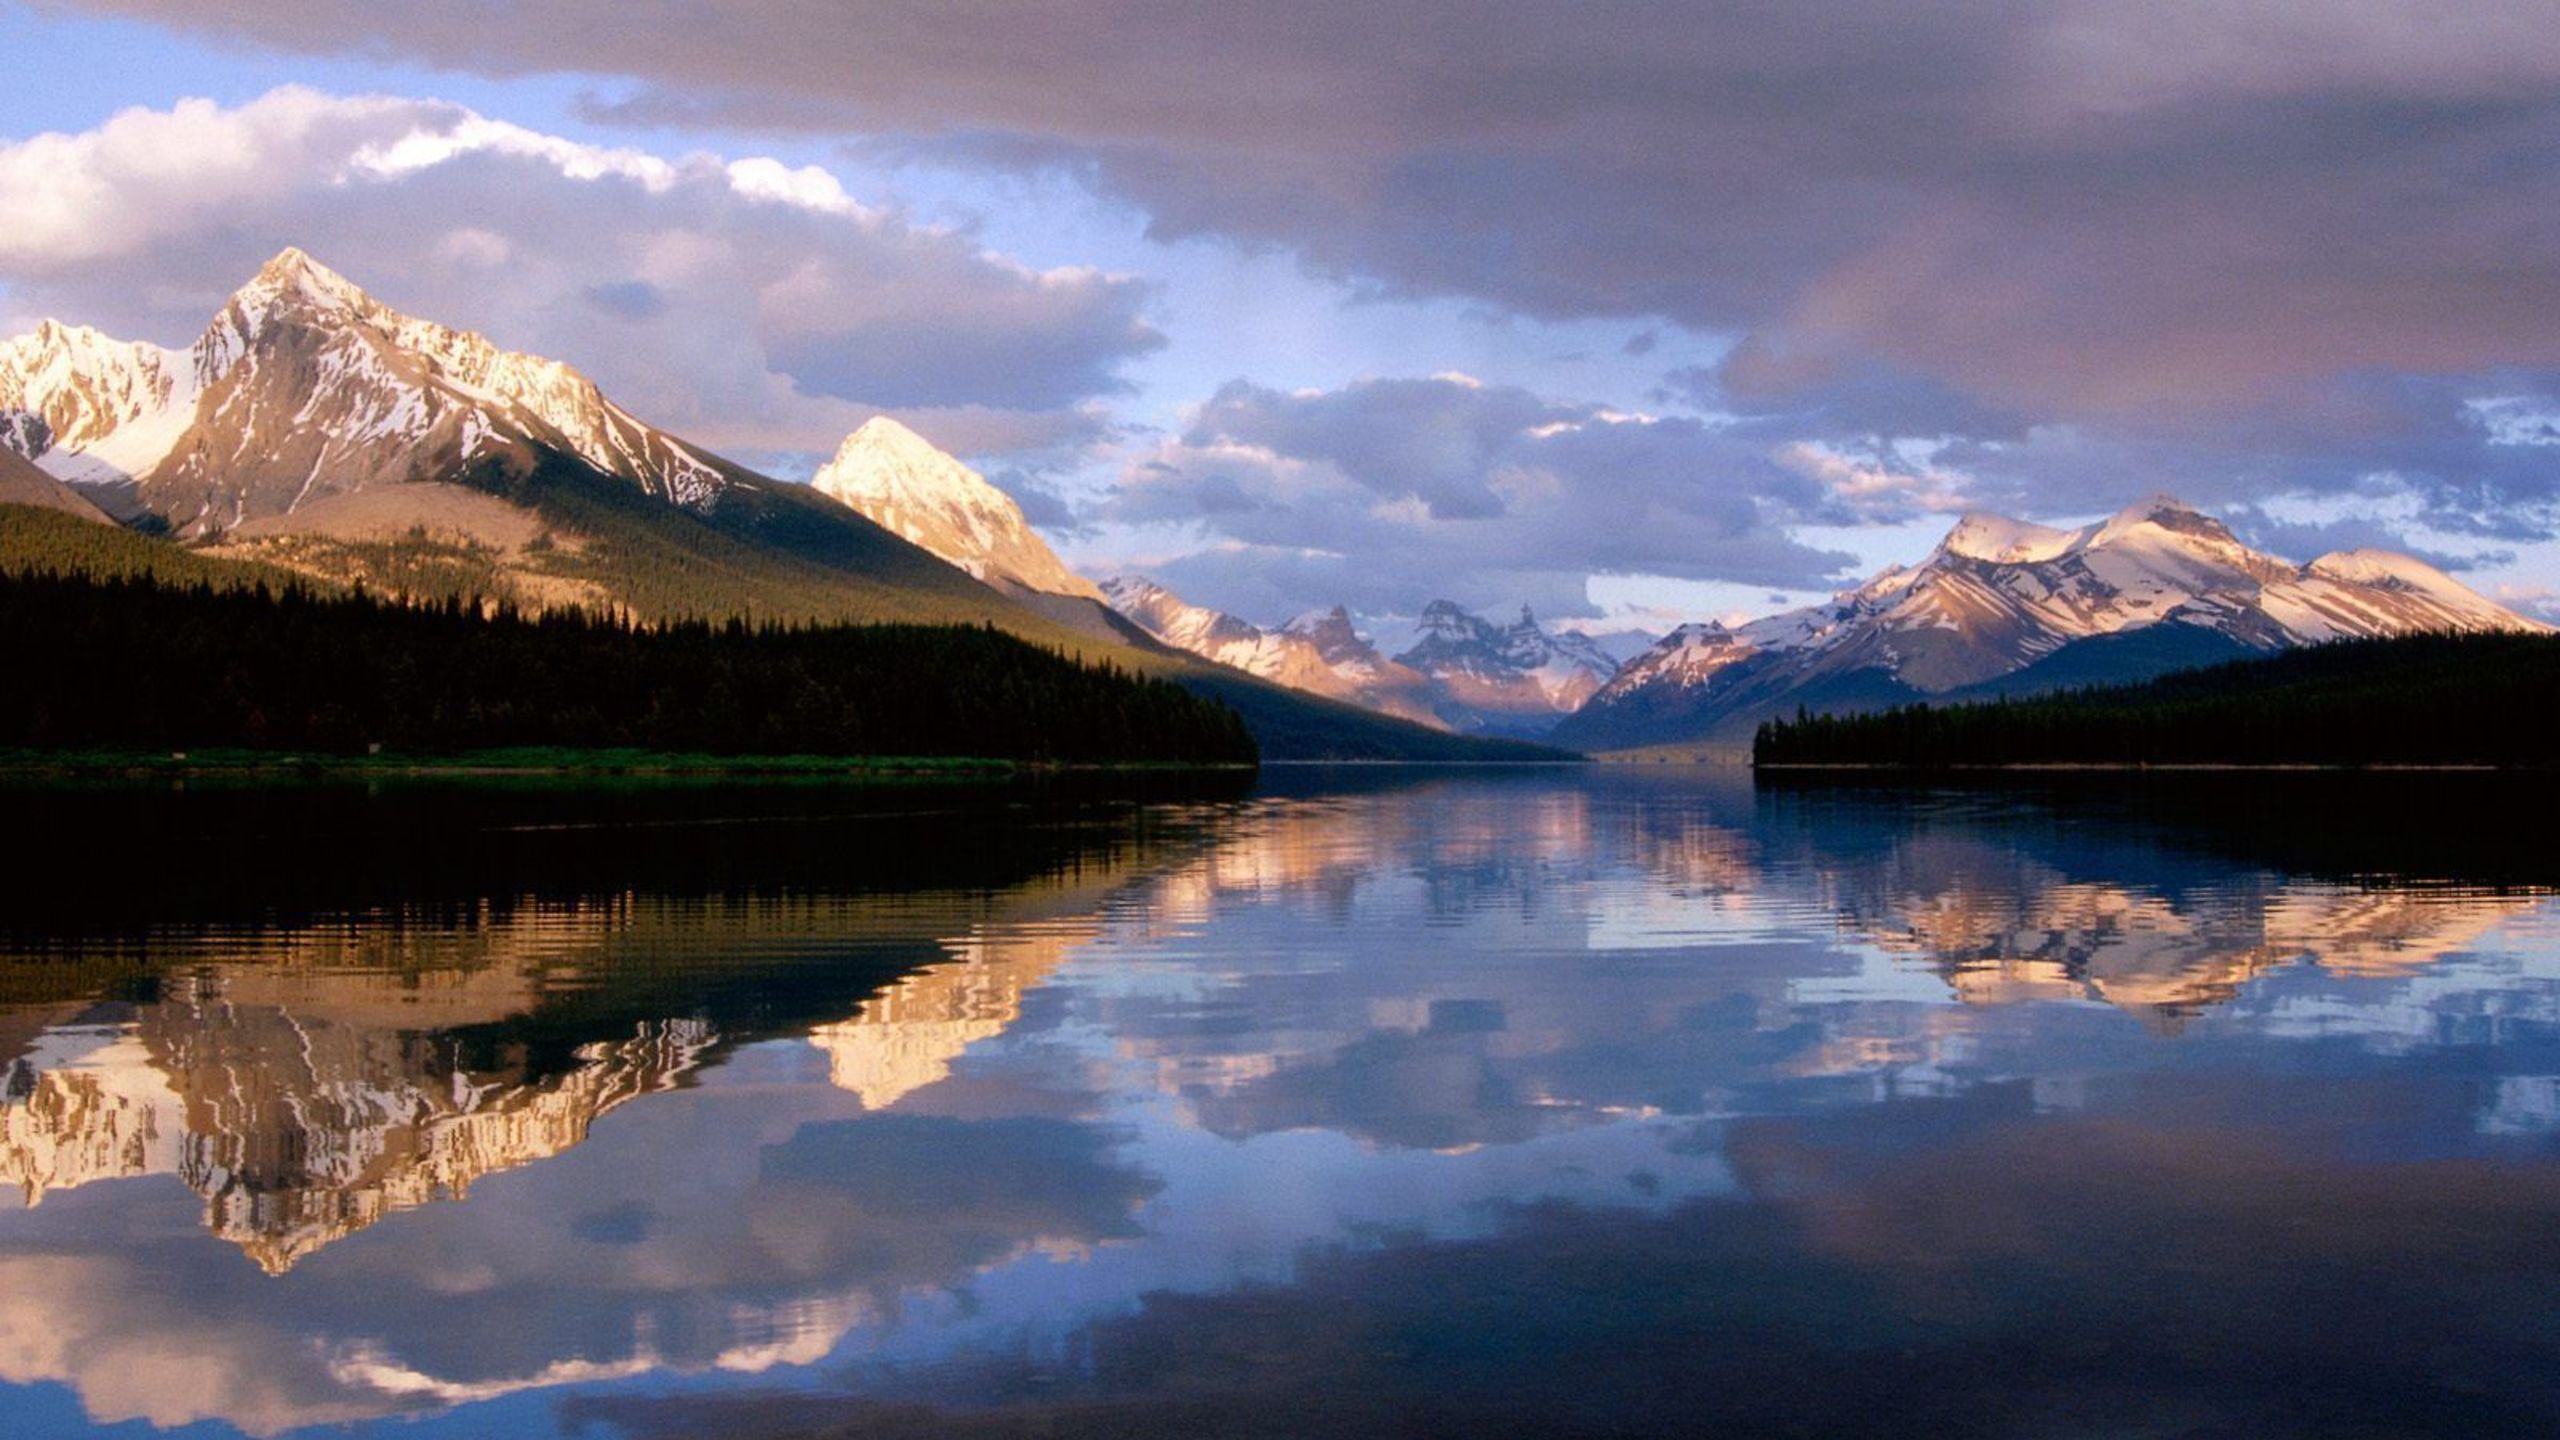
(136, 663)
(2412, 700)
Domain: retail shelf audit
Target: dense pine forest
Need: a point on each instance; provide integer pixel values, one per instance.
(134, 663)
(2413, 700)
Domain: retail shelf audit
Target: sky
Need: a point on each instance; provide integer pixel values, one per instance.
(1633, 312)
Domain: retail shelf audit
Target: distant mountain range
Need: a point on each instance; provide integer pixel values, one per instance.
(1517, 679)
(1318, 653)
(313, 428)
(1463, 673)
(2002, 606)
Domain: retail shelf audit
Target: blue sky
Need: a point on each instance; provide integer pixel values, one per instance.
(1376, 304)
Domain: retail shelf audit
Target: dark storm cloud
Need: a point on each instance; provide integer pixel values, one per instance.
(2069, 203)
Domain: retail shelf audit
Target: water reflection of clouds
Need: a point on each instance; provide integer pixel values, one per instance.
(1351, 1022)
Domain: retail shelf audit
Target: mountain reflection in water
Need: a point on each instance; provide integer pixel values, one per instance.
(1556, 1101)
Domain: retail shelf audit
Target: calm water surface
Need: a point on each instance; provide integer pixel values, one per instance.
(1380, 1102)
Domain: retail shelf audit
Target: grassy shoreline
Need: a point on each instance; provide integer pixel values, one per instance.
(540, 761)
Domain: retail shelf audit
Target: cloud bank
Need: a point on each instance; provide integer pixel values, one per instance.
(2047, 254)
(739, 301)
(1386, 494)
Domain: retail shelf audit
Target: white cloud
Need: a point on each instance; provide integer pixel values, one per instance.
(753, 305)
(1388, 493)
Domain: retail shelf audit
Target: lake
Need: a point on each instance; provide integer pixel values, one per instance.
(1573, 1101)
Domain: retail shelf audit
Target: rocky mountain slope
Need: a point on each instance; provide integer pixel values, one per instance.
(303, 387)
(21, 483)
(1518, 679)
(2004, 605)
(901, 482)
(311, 427)
(1320, 653)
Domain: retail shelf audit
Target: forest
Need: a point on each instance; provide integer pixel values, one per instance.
(134, 663)
(2411, 700)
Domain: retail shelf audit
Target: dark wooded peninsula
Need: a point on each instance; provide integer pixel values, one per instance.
(137, 664)
(2482, 700)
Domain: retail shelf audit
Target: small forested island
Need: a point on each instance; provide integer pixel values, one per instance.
(2437, 700)
(133, 665)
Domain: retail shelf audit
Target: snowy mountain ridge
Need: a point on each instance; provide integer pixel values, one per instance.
(1517, 679)
(1998, 596)
(304, 386)
(901, 482)
(1462, 673)
(1319, 653)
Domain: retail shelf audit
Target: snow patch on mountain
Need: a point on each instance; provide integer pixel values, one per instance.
(2003, 541)
(91, 409)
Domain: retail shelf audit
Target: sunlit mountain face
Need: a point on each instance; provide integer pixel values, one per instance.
(780, 1110)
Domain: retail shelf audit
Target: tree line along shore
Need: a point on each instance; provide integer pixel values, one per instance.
(139, 665)
(2487, 700)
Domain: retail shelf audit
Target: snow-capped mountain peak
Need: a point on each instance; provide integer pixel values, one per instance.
(902, 482)
(1999, 596)
(304, 386)
(1688, 657)
(90, 408)
(1319, 653)
(293, 279)
(1518, 678)
(1331, 632)
(2002, 541)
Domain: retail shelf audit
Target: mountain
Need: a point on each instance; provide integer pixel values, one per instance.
(898, 480)
(313, 429)
(1319, 653)
(1517, 680)
(21, 483)
(305, 387)
(2002, 606)
(91, 409)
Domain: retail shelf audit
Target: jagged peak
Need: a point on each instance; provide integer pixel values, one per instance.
(2162, 511)
(294, 276)
(55, 337)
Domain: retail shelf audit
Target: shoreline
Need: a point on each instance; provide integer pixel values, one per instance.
(550, 762)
